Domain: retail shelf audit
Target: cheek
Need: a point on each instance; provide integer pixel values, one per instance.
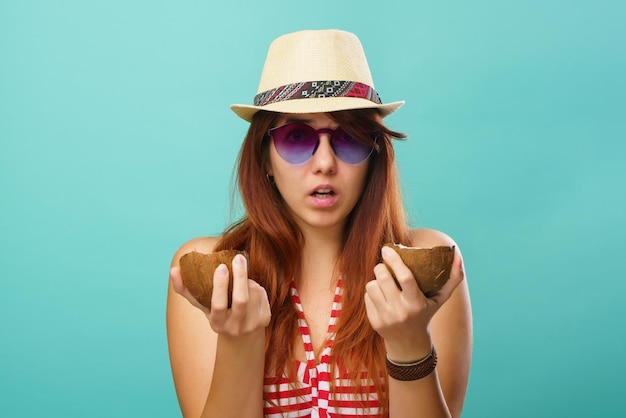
(359, 178)
(285, 177)
(285, 181)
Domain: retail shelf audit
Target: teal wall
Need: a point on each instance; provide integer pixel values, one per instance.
(117, 145)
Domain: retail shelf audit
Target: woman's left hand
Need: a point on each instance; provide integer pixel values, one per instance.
(402, 316)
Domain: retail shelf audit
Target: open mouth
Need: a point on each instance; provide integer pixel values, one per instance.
(323, 193)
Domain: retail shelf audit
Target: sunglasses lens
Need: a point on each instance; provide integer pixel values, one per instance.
(297, 142)
(348, 149)
(294, 142)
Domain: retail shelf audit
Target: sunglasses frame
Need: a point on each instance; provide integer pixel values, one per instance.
(331, 132)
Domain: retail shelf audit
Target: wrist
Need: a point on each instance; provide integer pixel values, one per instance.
(247, 341)
(409, 351)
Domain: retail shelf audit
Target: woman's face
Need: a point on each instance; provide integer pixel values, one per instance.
(321, 192)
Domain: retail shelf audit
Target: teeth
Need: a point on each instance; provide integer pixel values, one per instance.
(323, 193)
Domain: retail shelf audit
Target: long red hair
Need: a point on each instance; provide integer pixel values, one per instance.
(273, 243)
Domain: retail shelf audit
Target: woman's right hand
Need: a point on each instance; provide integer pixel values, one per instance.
(250, 309)
(205, 355)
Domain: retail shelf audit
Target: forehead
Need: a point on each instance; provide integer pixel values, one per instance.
(316, 120)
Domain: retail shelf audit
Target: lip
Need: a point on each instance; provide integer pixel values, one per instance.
(328, 187)
(324, 202)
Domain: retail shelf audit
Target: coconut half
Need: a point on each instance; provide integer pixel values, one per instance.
(197, 271)
(431, 267)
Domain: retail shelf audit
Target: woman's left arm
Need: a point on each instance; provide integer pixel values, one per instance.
(412, 324)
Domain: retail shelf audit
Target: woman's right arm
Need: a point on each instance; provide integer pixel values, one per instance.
(217, 357)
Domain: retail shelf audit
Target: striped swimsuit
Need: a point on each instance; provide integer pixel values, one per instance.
(310, 398)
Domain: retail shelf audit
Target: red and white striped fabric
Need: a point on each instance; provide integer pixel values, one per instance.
(310, 396)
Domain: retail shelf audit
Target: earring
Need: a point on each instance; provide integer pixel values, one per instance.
(270, 178)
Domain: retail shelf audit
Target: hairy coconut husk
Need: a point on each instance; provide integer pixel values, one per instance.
(430, 266)
(197, 271)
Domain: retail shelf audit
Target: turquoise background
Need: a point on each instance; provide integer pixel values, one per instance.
(117, 145)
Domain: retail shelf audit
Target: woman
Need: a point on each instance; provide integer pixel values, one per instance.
(318, 326)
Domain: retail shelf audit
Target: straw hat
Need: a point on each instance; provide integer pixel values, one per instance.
(315, 71)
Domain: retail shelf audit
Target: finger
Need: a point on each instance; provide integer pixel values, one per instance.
(375, 293)
(402, 273)
(241, 294)
(219, 298)
(258, 293)
(384, 287)
(371, 311)
(381, 306)
(177, 280)
(179, 287)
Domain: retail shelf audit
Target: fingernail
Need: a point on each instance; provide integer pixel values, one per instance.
(239, 259)
(386, 251)
(222, 270)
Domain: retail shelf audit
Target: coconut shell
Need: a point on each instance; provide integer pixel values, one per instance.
(197, 271)
(431, 267)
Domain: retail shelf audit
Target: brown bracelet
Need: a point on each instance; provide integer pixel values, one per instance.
(413, 371)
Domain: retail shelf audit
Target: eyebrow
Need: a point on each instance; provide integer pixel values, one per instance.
(295, 119)
(307, 121)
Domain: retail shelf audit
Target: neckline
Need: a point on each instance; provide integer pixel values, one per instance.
(305, 332)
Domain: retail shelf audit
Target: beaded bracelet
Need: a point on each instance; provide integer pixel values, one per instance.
(413, 371)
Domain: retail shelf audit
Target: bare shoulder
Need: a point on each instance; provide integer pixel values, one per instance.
(426, 238)
(203, 245)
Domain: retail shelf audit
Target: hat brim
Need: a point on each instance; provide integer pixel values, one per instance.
(316, 105)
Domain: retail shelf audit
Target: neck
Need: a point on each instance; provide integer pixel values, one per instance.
(320, 255)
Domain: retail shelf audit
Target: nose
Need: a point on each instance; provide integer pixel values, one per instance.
(324, 158)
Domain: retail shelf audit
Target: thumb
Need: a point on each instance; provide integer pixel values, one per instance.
(177, 280)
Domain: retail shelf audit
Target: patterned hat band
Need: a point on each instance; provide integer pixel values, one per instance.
(317, 89)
